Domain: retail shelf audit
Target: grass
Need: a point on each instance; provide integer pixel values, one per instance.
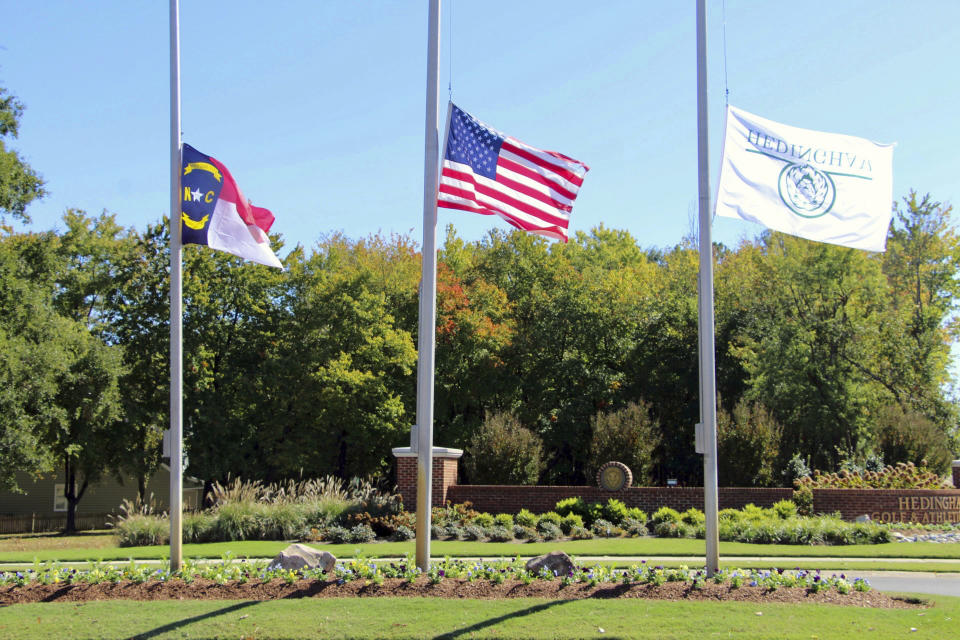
(643, 547)
(435, 618)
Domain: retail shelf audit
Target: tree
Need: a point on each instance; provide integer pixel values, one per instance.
(628, 435)
(502, 451)
(31, 358)
(81, 436)
(922, 265)
(748, 446)
(813, 343)
(19, 183)
(139, 321)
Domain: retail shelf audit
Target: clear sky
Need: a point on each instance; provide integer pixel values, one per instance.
(318, 107)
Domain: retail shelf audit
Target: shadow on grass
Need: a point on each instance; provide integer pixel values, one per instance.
(484, 624)
(181, 623)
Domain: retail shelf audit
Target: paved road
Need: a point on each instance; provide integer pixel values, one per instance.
(940, 584)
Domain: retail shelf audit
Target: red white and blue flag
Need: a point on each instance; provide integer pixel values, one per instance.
(215, 213)
(487, 172)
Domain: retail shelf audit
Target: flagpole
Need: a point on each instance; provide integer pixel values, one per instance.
(176, 299)
(428, 294)
(708, 370)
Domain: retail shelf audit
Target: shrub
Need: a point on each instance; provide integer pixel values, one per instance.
(453, 530)
(499, 533)
(550, 516)
(665, 514)
(748, 441)
(437, 532)
(336, 534)
(666, 529)
(615, 511)
(473, 532)
(525, 518)
(139, 530)
(594, 512)
(570, 521)
(453, 514)
(908, 436)
(572, 505)
(731, 515)
(803, 498)
(902, 476)
(402, 534)
(628, 435)
(503, 520)
(635, 528)
(502, 451)
(548, 530)
(197, 527)
(693, 516)
(484, 520)
(785, 509)
(236, 521)
(637, 514)
(360, 534)
(282, 521)
(796, 468)
(581, 533)
(524, 533)
(602, 528)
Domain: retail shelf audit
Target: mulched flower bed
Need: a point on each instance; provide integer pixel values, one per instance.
(206, 589)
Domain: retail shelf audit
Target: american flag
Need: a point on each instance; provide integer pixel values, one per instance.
(487, 172)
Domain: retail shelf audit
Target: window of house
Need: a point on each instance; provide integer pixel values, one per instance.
(59, 497)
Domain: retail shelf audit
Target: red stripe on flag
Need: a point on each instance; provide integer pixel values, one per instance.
(530, 174)
(567, 174)
(503, 195)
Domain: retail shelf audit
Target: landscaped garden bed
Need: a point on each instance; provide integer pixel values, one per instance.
(447, 579)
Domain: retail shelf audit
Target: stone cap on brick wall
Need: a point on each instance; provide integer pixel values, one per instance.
(438, 452)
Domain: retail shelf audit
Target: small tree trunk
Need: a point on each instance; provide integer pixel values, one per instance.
(72, 495)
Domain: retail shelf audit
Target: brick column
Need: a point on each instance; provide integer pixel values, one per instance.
(444, 474)
(956, 473)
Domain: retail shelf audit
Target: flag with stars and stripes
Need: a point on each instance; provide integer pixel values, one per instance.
(487, 172)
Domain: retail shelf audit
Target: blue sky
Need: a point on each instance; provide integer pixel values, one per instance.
(317, 107)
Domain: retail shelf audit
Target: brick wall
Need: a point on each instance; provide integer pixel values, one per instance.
(886, 505)
(926, 506)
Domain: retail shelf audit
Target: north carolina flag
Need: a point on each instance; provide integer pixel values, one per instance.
(215, 213)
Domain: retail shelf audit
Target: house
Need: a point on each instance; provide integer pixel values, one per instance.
(43, 506)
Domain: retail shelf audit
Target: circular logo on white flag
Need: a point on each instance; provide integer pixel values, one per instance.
(807, 191)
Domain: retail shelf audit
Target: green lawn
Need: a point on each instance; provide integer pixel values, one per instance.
(435, 618)
(642, 547)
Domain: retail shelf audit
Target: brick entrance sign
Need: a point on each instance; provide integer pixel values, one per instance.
(925, 506)
(444, 475)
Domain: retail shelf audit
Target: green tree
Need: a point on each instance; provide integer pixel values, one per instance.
(139, 315)
(19, 183)
(628, 435)
(81, 436)
(748, 446)
(502, 451)
(31, 357)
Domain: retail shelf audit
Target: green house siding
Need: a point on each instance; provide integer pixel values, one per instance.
(103, 497)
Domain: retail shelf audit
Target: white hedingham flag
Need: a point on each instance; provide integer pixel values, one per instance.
(827, 187)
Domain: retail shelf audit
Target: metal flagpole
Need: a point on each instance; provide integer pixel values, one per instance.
(428, 294)
(176, 299)
(708, 385)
